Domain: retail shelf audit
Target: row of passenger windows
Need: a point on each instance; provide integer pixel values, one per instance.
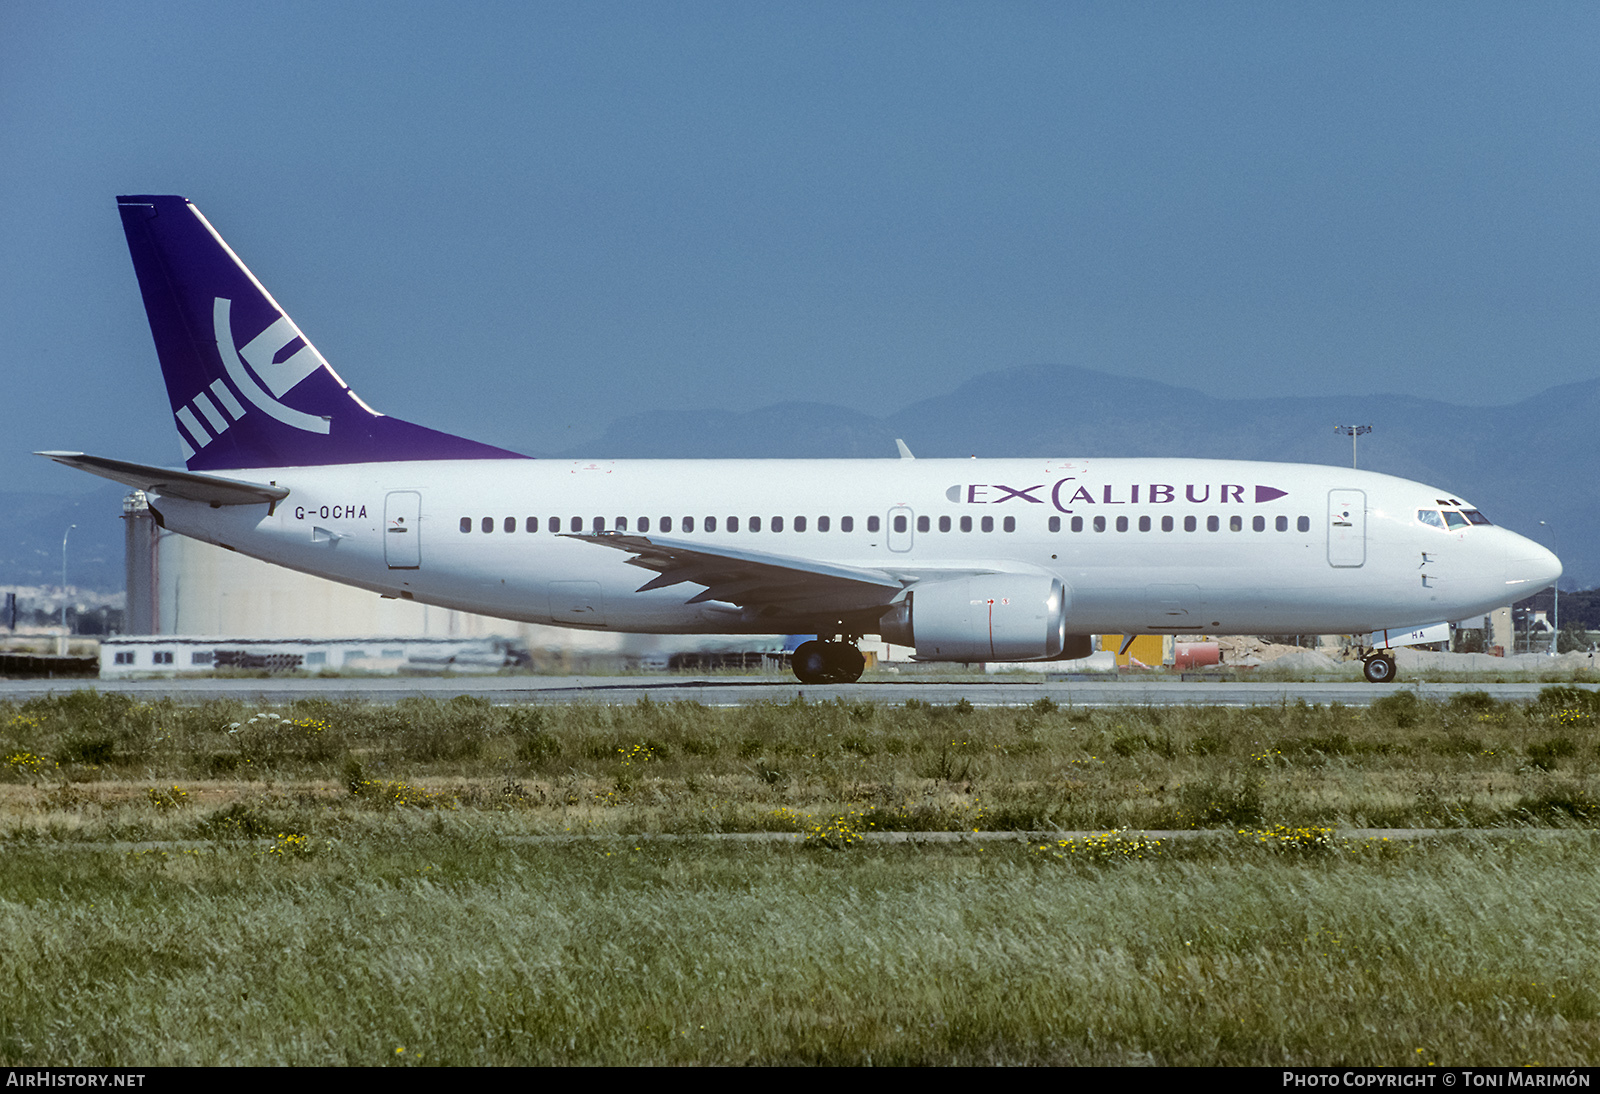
(899, 523)
(1190, 524)
(665, 524)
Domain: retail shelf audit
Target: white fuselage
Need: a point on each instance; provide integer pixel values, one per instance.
(1296, 548)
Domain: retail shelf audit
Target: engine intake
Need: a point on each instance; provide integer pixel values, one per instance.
(997, 617)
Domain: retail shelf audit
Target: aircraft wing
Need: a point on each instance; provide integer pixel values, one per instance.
(188, 485)
(754, 580)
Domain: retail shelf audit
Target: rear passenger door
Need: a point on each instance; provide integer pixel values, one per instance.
(402, 531)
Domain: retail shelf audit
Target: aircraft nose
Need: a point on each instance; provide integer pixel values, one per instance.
(1530, 567)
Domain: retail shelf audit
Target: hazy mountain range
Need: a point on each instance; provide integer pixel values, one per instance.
(1523, 463)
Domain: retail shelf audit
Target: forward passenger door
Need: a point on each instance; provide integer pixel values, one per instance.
(1347, 527)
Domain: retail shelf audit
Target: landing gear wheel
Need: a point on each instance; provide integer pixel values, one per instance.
(810, 662)
(846, 662)
(1379, 668)
(827, 663)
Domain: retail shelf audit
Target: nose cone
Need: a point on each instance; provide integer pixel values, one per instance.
(1529, 567)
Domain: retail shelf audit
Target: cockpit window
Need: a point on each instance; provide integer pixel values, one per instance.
(1474, 516)
(1453, 519)
(1430, 517)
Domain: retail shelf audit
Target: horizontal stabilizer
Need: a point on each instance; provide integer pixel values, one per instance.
(188, 485)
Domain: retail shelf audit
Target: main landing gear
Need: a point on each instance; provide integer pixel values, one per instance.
(1378, 667)
(827, 663)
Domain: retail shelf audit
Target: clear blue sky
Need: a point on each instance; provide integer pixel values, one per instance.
(519, 221)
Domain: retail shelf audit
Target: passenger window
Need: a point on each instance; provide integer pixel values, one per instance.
(710, 524)
(922, 524)
(1188, 524)
(1077, 524)
(1144, 524)
(1259, 524)
(620, 524)
(554, 524)
(900, 524)
(733, 524)
(846, 524)
(1122, 524)
(944, 524)
(966, 524)
(1055, 524)
(1213, 524)
(1235, 524)
(1166, 524)
(575, 524)
(688, 524)
(531, 524)
(511, 524)
(599, 524)
(644, 524)
(1010, 524)
(1282, 524)
(872, 524)
(1454, 520)
(1304, 524)
(777, 524)
(800, 524)
(487, 524)
(466, 524)
(755, 524)
(1099, 524)
(823, 523)
(666, 524)
(987, 524)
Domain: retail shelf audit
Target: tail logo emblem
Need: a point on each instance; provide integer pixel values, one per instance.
(266, 379)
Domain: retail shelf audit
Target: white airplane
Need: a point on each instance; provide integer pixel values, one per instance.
(964, 560)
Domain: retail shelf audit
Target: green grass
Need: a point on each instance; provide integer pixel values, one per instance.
(390, 884)
(446, 946)
(93, 766)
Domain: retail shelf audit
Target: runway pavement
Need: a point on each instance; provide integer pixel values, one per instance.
(734, 690)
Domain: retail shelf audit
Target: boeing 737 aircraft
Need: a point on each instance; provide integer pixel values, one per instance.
(964, 560)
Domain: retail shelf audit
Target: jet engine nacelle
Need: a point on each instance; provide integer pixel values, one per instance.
(996, 617)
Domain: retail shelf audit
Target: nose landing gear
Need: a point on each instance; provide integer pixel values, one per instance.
(1378, 667)
(827, 663)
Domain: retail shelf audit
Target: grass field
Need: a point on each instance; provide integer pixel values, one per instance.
(366, 884)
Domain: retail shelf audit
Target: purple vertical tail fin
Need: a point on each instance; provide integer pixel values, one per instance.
(248, 389)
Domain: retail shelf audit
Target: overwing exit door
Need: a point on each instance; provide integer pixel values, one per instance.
(900, 528)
